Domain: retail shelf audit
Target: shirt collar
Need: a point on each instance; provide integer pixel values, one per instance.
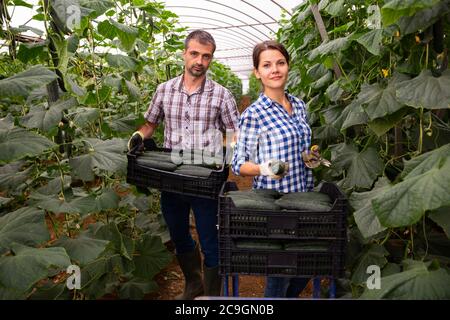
(266, 102)
(207, 85)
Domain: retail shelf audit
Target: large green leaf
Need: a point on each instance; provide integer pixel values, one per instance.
(334, 91)
(135, 289)
(84, 116)
(426, 91)
(407, 201)
(75, 88)
(330, 47)
(374, 255)
(421, 20)
(382, 125)
(53, 203)
(151, 257)
(29, 265)
(12, 294)
(99, 6)
(122, 124)
(127, 34)
(107, 200)
(7, 122)
(46, 118)
(442, 217)
(119, 242)
(362, 167)
(21, 84)
(325, 132)
(55, 186)
(379, 102)
(82, 249)
(371, 40)
(417, 283)
(30, 52)
(335, 8)
(25, 225)
(423, 163)
(365, 217)
(353, 114)
(106, 155)
(131, 89)
(121, 61)
(106, 29)
(18, 143)
(11, 176)
(395, 9)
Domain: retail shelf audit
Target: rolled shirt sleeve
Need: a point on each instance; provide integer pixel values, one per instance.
(247, 142)
(229, 113)
(155, 111)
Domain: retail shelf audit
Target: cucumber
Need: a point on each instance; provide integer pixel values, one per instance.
(196, 171)
(279, 167)
(261, 193)
(259, 244)
(200, 158)
(160, 156)
(289, 204)
(308, 201)
(308, 246)
(156, 164)
(307, 196)
(246, 202)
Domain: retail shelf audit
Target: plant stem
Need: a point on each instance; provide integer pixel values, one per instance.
(55, 226)
(386, 238)
(425, 237)
(61, 172)
(419, 147)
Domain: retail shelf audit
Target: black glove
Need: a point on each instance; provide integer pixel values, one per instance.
(136, 140)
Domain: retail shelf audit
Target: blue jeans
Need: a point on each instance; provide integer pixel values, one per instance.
(175, 209)
(280, 287)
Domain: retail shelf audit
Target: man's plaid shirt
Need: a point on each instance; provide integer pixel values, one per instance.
(195, 121)
(268, 132)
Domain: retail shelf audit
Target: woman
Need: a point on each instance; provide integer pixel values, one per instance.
(273, 129)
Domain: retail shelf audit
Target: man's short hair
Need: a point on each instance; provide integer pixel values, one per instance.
(201, 36)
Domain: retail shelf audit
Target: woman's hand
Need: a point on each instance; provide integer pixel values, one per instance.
(275, 169)
(313, 159)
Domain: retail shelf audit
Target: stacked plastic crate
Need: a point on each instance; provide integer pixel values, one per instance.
(308, 243)
(143, 176)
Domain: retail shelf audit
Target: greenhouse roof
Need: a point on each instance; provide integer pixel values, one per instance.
(236, 25)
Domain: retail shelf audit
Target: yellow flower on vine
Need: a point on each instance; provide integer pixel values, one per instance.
(385, 73)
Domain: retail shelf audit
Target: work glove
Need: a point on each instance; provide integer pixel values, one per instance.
(136, 142)
(275, 169)
(313, 159)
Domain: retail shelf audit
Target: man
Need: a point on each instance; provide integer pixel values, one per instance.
(192, 107)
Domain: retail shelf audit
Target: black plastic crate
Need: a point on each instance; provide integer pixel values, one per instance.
(205, 187)
(284, 224)
(297, 263)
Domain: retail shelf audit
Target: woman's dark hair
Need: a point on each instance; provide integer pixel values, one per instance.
(201, 36)
(268, 45)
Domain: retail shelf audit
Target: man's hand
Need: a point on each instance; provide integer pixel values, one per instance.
(313, 159)
(275, 169)
(136, 140)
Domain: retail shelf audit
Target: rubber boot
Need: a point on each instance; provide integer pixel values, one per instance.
(190, 264)
(212, 281)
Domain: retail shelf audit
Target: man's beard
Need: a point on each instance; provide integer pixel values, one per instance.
(196, 73)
